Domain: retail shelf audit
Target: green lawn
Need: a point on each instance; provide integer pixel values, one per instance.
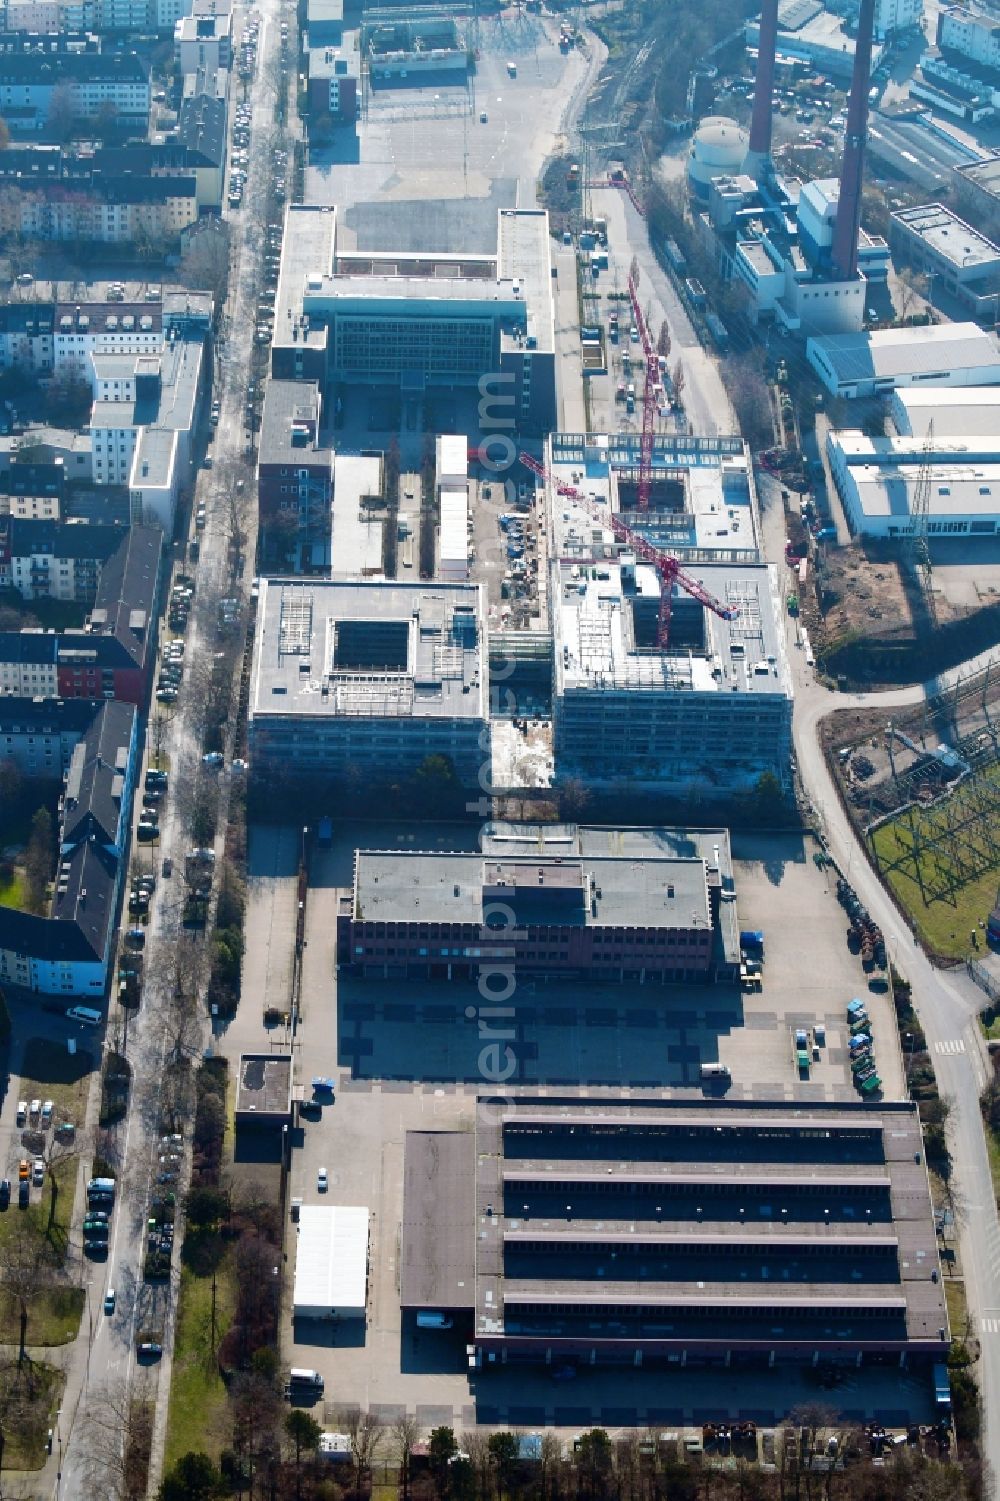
(53, 1318)
(29, 1399)
(958, 1311)
(12, 892)
(50, 1073)
(52, 1238)
(198, 1418)
(993, 1151)
(944, 918)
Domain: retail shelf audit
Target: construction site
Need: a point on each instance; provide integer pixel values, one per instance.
(923, 788)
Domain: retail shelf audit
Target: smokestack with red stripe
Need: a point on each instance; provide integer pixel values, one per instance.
(763, 100)
(845, 233)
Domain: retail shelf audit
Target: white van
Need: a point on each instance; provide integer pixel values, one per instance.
(84, 1014)
(714, 1071)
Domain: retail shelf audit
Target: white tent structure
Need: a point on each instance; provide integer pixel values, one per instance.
(331, 1263)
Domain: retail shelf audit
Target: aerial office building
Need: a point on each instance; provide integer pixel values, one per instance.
(423, 321)
(710, 707)
(554, 901)
(355, 678)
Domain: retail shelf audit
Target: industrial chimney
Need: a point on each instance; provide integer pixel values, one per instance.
(763, 94)
(845, 234)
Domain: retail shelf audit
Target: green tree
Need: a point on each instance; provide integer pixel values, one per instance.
(205, 1207)
(593, 1461)
(502, 1448)
(304, 1433)
(769, 805)
(193, 1478)
(436, 785)
(38, 861)
(441, 1450)
(462, 1479)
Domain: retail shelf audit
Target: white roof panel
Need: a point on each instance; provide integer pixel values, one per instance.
(331, 1263)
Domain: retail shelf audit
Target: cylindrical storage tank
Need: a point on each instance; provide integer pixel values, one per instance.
(719, 149)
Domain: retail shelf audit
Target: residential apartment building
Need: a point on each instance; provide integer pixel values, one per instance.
(86, 85)
(67, 952)
(38, 734)
(112, 656)
(53, 559)
(204, 41)
(971, 33)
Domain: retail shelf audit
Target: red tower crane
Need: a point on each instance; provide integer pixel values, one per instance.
(667, 566)
(649, 390)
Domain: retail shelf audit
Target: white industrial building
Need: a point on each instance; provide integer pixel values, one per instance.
(958, 259)
(957, 433)
(880, 362)
(331, 1263)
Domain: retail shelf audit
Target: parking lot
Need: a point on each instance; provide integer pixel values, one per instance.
(405, 1056)
(428, 142)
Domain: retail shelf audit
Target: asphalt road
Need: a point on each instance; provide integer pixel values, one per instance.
(947, 1003)
(107, 1360)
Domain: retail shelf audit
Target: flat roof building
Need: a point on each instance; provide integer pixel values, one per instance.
(877, 477)
(264, 1090)
(701, 1232)
(420, 320)
(545, 905)
(878, 362)
(712, 709)
(331, 1262)
(961, 261)
(703, 500)
(357, 678)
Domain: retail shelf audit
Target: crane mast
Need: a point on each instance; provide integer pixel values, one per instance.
(649, 389)
(668, 567)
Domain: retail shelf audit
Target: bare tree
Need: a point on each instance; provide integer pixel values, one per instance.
(19, 1273)
(116, 1438)
(404, 1434)
(663, 342)
(58, 1149)
(205, 263)
(365, 1432)
(678, 379)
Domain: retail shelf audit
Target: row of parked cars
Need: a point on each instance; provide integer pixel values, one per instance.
(862, 1049)
(248, 47)
(97, 1220)
(162, 1209)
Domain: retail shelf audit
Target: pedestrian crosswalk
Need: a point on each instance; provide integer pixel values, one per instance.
(950, 1045)
(990, 1325)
